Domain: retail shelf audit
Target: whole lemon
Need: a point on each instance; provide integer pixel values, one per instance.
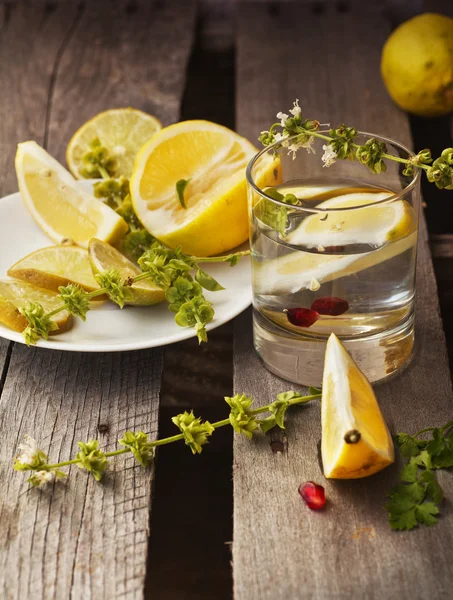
(417, 65)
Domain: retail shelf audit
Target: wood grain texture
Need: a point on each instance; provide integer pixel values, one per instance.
(81, 539)
(281, 548)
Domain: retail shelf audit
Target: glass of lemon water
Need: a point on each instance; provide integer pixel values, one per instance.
(333, 250)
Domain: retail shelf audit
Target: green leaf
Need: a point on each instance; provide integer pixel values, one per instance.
(139, 445)
(313, 391)
(194, 431)
(425, 512)
(208, 282)
(422, 460)
(278, 409)
(180, 189)
(408, 445)
(437, 444)
(409, 473)
(112, 281)
(433, 488)
(404, 520)
(91, 458)
(39, 323)
(240, 417)
(75, 300)
(267, 424)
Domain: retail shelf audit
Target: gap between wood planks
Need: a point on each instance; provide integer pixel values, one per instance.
(189, 553)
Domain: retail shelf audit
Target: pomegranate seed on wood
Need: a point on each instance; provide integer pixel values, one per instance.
(313, 495)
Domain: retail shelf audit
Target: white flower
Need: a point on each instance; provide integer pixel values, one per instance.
(28, 451)
(295, 147)
(321, 248)
(281, 137)
(42, 478)
(283, 118)
(314, 285)
(296, 111)
(329, 156)
(278, 137)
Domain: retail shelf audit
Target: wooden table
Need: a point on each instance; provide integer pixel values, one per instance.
(60, 63)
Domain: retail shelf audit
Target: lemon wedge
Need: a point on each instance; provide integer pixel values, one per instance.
(51, 267)
(60, 206)
(18, 294)
(104, 257)
(212, 159)
(355, 439)
(375, 224)
(123, 131)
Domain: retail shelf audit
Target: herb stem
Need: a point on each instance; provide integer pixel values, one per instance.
(205, 259)
(180, 436)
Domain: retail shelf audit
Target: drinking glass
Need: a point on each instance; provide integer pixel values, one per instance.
(333, 251)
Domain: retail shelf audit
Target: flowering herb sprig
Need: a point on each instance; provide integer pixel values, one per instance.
(169, 268)
(193, 431)
(340, 144)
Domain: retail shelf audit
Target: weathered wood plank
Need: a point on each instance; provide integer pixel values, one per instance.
(80, 539)
(280, 548)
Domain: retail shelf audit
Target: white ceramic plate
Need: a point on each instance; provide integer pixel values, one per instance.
(107, 328)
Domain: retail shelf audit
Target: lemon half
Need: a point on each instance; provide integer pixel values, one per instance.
(60, 206)
(212, 159)
(355, 439)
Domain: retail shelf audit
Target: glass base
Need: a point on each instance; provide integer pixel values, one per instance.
(300, 359)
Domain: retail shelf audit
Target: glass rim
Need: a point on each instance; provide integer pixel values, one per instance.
(396, 196)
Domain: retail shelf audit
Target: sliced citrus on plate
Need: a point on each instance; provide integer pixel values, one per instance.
(63, 209)
(104, 257)
(122, 131)
(355, 439)
(375, 223)
(15, 295)
(51, 267)
(212, 160)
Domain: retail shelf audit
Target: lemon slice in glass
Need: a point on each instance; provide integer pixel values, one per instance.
(104, 257)
(51, 267)
(375, 224)
(123, 131)
(355, 439)
(212, 159)
(18, 294)
(61, 207)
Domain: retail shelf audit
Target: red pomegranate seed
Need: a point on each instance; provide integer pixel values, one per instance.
(313, 495)
(330, 306)
(301, 317)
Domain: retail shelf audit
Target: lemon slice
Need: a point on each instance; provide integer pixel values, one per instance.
(51, 267)
(18, 294)
(374, 225)
(104, 257)
(213, 159)
(355, 439)
(61, 207)
(123, 131)
(295, 271)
